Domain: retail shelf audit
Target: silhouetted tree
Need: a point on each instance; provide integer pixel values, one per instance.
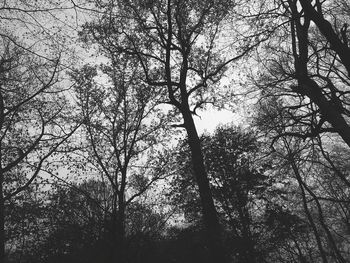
(318, 182)
(31, 109)
(305, 62)
(175, 43)
(120, 130)
(243, 191)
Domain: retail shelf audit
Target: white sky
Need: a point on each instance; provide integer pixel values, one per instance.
(210, 119)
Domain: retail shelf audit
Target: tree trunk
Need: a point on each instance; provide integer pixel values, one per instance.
(210, 217)
(307, 212)
(247, 246)
(341, 48)
(311, 88)
(328, 110)
(117, 232)
(120, 231)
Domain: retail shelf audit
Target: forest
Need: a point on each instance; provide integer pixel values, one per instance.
(106, 154)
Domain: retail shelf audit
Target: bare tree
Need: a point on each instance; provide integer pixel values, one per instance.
(32, 124)
(306, 62)
(176, 43)
(121, 131)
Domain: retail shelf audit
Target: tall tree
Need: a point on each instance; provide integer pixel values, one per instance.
(305, 86)
(245, 193)
(32, 122)
(176, 43)
(317, 178)
(122, 132)
(309, 65)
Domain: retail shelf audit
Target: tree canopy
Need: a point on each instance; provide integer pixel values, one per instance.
(101, 159)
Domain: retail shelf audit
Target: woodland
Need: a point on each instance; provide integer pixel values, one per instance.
(101, 156)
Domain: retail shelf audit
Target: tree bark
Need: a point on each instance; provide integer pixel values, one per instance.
(327, 31)
(247, 251)
(120, 230)
(117, 231)
(310, 88)
(328, 110)
(210, 217)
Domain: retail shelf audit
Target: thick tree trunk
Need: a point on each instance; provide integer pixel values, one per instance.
(117, 234)
(248, 250)
(343, 51)
(328, 110)
(120, 231)
(210, 217)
